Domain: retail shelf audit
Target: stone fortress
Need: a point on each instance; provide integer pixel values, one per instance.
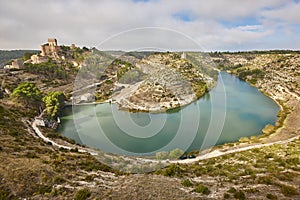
(50, 49)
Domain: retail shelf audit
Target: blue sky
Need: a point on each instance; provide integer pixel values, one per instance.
(215, 25)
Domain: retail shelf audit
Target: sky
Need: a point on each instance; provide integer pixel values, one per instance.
(209, 25)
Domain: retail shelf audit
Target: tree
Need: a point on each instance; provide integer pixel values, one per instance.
(162, 155)
(27, 93)
(54, 102)
(27, 55)
(176, 153)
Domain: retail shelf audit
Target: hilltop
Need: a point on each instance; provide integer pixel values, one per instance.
(150, 81)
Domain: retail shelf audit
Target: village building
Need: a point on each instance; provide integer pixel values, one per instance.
(16, 64)
(36, 59)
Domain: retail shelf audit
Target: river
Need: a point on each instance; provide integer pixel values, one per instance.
(231, 110)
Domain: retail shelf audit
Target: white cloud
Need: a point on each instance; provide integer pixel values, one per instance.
(27, 24)
(288, 13)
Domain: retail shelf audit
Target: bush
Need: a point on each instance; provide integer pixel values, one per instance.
(272, 196)
(82, 194)
(239, 195)
(58, 180)
(74, 150)
(173, 170)
(162, 155)
(202, 189)
(176, 153)
(43, 189)
(226, 196)
(31, 155)
(288, 190)
(232, 190)
(187, 183)
(266, 180)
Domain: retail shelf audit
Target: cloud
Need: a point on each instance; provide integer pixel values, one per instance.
(216, 24)
(288, 14)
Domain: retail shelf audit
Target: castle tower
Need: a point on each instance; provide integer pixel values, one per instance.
(50, 49)
(43, 50)
(52, 42)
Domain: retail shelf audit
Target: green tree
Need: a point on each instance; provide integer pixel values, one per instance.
(176, 153)
(162, 155)
(27, 93)
(54, 102)
(27, 55)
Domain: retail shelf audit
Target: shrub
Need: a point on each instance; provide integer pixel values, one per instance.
(162, 155)
(232, 190)
(82, 194)
(44, 189)
(266, 180)
(172, 170)
(187, 183)
(226, 196)
(202, 189)
(176, 153)
(31, 155)
(272, 196)
(89, 178)
(74, 150)
(288, 190)
(239, 195)
(58, 180)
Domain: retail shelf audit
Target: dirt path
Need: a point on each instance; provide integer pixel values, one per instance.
(217, 153)
(40, 134)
